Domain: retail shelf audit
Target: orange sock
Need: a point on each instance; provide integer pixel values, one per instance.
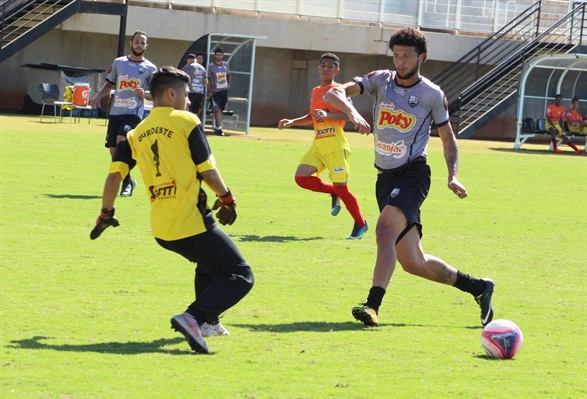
(351, 203)
(315, 184)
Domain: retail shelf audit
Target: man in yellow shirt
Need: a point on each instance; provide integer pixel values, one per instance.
(174, 157)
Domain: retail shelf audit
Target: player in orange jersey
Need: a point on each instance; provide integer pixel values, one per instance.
(330, 149)
(575, 121)
(555, 114)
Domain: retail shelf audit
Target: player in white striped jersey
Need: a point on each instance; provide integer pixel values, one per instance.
(129, 77)
(406, 105)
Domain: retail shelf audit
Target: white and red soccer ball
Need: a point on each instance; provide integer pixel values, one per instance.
(502, 339)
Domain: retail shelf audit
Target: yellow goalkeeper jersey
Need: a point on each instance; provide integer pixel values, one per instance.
(170, 148)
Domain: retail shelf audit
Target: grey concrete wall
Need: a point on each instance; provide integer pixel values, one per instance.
(286, 62)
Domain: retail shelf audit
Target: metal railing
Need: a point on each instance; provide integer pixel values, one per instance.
(30, 23)
(491, 52)
(502, 81)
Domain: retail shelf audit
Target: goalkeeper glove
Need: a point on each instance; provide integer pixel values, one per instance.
(105, 220)
(227, 208)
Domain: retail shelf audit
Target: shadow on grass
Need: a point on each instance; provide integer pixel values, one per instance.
(245, 238)
(118, 348)
(545, 151)
(487, 357)
(72, 196)
(318, 326)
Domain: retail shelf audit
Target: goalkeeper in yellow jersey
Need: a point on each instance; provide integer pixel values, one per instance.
(174, 157)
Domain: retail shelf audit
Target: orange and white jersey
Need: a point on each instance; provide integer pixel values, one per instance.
(572, 116)
(328, 133)
(555, 113)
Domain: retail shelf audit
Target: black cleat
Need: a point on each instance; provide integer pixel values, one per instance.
(128, 189)
(366, 315)
(484, 302)
(188, 326)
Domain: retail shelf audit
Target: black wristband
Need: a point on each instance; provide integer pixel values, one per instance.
(228, 194)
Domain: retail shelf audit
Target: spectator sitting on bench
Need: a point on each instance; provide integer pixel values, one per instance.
(555, 113)
(575, 121)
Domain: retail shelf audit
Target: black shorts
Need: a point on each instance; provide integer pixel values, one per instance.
(197, 99)
(119, 125)
(405, 187)
(220, 99)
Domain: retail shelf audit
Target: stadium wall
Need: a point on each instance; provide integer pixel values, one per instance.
(286, 62)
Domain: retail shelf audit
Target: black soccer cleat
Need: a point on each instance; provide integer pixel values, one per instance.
(484, 302)
(188, 326)
(366, 315)
(128, 189)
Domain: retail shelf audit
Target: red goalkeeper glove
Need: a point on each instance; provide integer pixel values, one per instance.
(227, 208)
(105, 220)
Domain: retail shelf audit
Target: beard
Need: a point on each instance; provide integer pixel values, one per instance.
(137, 53)
(408, 74)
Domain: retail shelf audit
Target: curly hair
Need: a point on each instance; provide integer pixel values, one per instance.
(411, 37)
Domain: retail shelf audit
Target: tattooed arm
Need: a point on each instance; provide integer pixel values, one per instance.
(451, 155)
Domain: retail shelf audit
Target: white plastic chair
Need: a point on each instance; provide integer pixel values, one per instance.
(51, 97)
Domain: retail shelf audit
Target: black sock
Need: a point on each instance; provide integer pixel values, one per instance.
(469, 284)
(375, 298)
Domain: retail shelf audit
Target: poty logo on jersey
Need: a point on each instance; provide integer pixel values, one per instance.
(396, 150)
(163, 191)
(389, 117)
(124, 83)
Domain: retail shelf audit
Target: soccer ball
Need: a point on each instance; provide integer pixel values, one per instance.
(502, 339)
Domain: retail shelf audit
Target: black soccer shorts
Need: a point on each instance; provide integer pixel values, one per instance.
(119, 125)
(405, 187)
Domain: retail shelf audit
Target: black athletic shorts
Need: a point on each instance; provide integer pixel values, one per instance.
(405, 187)
(197, 99)
(119, 125)
(220, 99)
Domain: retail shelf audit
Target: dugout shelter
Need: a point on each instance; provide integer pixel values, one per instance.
(541, 80)
(239, 52)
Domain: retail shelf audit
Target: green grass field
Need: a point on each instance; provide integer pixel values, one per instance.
(90, 319)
